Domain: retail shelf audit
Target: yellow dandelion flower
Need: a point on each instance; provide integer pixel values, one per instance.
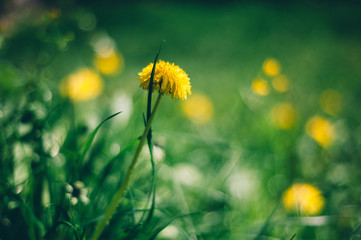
(283, 115)
(280, 83)
(84, 84)
(271, 67)
(321, 130)
(260, 87)
(173, 80)
(109, 63)
(303, 198)
(198, 108)
(331, 101)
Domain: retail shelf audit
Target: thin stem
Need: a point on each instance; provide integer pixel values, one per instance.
(118, 195)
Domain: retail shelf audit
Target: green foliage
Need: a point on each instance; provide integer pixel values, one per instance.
(62, 160)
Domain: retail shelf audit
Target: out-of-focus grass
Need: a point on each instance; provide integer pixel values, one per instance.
(223, 175)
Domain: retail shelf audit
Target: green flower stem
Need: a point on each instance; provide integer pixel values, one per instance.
(118, 195)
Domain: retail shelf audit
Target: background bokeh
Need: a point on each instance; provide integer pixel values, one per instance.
(267, 146)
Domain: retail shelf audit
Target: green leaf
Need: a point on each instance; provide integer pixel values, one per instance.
(91, 137)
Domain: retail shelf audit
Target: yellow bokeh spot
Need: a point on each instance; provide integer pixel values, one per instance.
(271, 67)
(280, 83)
(4, 24)
(321, 130)
(198, 108)
(84, 84)
(331, 101)
(283, 115)
(55, 13)
(260, 87)
(303, 198)
(109, 63)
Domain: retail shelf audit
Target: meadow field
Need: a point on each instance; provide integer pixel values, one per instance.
(265, 144)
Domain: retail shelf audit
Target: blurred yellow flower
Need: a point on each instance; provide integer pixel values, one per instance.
(303, 198)
(198, 108)
(331, 101)
(55, 13)
(82, 85)
(321, 130)
(280, 83)
(260, 87)
(4, 24)
(283, 115)
(109, 63)
(271, 67)
(172, 78)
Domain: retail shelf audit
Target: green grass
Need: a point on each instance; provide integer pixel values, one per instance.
(219, 180)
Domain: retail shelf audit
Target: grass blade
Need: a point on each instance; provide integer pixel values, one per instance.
(266, 224)
(149, 136)
(68, 224)
(156, 232)
(153, 187)
(106, 171)
(91, 137)
(355, 231)
(294, 235)
(151, 80)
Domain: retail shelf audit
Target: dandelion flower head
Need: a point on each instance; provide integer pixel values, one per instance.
(260, 87)
(280, 83)
(198, 108)
(331, 101)
(283, 115)
(82, 85)
(321, 130)
(109, 63)
(304, 198)
(170, 78)
(271, 67)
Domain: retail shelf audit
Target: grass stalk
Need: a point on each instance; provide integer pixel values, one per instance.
(119, 194)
